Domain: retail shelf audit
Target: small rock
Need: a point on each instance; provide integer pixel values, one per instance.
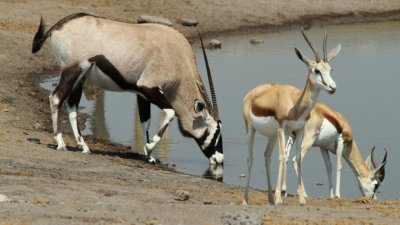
(4, 198)
(33, 140)
(188, 22)
(181, 195)
(25, 132)
(208, 202)
(214, 44)
(255, 41)
(37, 126)
(239, 218)
(154, 19)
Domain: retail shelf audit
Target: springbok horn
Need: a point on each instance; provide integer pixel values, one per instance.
(325, 53)
(210, 81)
(384, 158)
(373, 158)
(311, 46)
(382, 170)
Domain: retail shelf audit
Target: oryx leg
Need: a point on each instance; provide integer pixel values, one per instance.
(70, 76)
(250, 143)
(289, 144)
(328, 165)
(72, 107)
(339, 153)
(145, 117)
(144, 113)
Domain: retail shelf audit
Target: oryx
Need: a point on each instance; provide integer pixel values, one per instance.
(154, 61)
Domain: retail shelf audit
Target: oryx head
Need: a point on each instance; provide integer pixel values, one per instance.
(205, 125)
(319, 70)
(370, 185)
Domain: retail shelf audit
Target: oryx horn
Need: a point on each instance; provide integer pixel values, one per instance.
(210, 81)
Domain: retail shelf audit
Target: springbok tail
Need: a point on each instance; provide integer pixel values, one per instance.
(40, 37)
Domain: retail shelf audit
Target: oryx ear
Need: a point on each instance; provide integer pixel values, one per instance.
(302, 57)
(333, 53)
(198, 106)
(380, 172)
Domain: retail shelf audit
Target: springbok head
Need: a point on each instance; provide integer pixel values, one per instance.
(319, 70)
(370, 186)
(210, 141)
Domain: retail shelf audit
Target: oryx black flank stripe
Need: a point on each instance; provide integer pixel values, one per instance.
(152, 94)
(109, 69)
(40, 36)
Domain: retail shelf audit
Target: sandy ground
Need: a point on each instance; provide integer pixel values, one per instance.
(39, 185)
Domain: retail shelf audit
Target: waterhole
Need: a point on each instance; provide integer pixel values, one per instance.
(367, 74)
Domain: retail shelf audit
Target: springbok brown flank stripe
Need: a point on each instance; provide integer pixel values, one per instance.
(262, 112)
(334, 122)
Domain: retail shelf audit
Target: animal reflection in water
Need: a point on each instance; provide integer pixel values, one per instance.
(100, 130)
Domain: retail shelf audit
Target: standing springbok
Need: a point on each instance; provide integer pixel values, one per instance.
(330, 131)
(276, 110)
(154, 61)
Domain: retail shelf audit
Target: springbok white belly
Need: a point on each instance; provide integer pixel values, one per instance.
(267, 126)
(327, 136)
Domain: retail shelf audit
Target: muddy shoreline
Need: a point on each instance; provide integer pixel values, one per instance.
(114, 185)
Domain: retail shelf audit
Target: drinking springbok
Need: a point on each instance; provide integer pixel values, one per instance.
(154, 61)
(276, 110)
(330, 131)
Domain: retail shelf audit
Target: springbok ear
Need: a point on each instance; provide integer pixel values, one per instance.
(333, 53)
(368, 161)
(380, 172)
(198, 106)
(302, 57)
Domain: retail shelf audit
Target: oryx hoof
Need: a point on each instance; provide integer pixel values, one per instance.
(151, 160)
(62, 148)
(86, 151)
